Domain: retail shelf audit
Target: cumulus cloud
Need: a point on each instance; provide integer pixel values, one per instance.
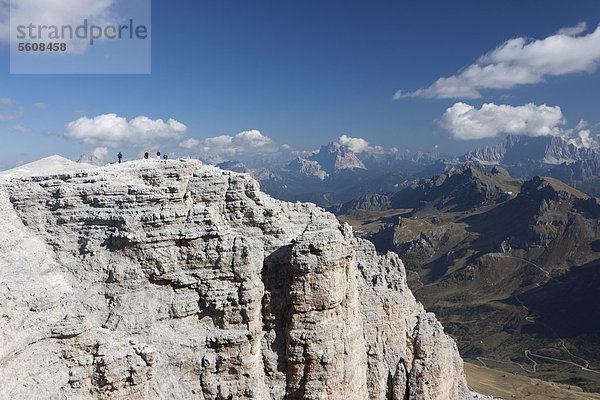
(466, 122)
(189, 143)
(520, 61)
(9, 109)
(355, 145)
(100, 152)
(19, 129)
(360, 145)
(245, 145)
(110, 130)
(573, 30)
(244, 142)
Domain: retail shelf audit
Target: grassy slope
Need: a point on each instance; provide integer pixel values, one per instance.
(476, 295)
(504, 385)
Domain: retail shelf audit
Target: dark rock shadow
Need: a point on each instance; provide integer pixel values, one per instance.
(567, 305)
(277, 279)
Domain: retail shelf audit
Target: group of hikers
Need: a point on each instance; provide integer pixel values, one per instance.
(146, 156)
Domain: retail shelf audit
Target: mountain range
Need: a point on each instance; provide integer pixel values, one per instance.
(517, 149)
(574, 162)
(506, 264)
(335, 174)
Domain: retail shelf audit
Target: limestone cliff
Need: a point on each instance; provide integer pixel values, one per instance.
(154, 279)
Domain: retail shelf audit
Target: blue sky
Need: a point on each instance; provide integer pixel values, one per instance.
(303, 73)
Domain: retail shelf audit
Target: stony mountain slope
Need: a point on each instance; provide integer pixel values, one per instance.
(154, 279)
(461, 189)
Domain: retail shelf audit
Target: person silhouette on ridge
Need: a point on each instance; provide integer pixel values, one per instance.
(119, 156)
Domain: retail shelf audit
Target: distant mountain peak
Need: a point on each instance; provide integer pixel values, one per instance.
(470, 169)
(236, 166)
(550, 188)
(89, 159)
(307, 167)
(334, 158)
(460, 189)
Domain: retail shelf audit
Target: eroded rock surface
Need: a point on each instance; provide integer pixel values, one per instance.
(174, 279)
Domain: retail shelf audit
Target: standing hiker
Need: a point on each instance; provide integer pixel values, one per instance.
(120, 155)
(145, 155)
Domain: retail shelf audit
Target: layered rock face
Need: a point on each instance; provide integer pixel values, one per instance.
(154, 279)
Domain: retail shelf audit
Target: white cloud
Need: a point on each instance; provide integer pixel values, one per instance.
(40, 106)
(466, 122)
(520, 61)
(100, 152)
(360, 145)
(9, 109)
(355, 145)
(252, 142)
(242, 146)
(583, 139)
(20, 129)
(111, 131)
(581, 125)
(573, 30)
(189, 143)
(49, 132)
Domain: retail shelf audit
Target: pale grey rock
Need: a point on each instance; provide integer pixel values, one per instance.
(154, 279)
(515, 149)
(307, 167)
(334, 158)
